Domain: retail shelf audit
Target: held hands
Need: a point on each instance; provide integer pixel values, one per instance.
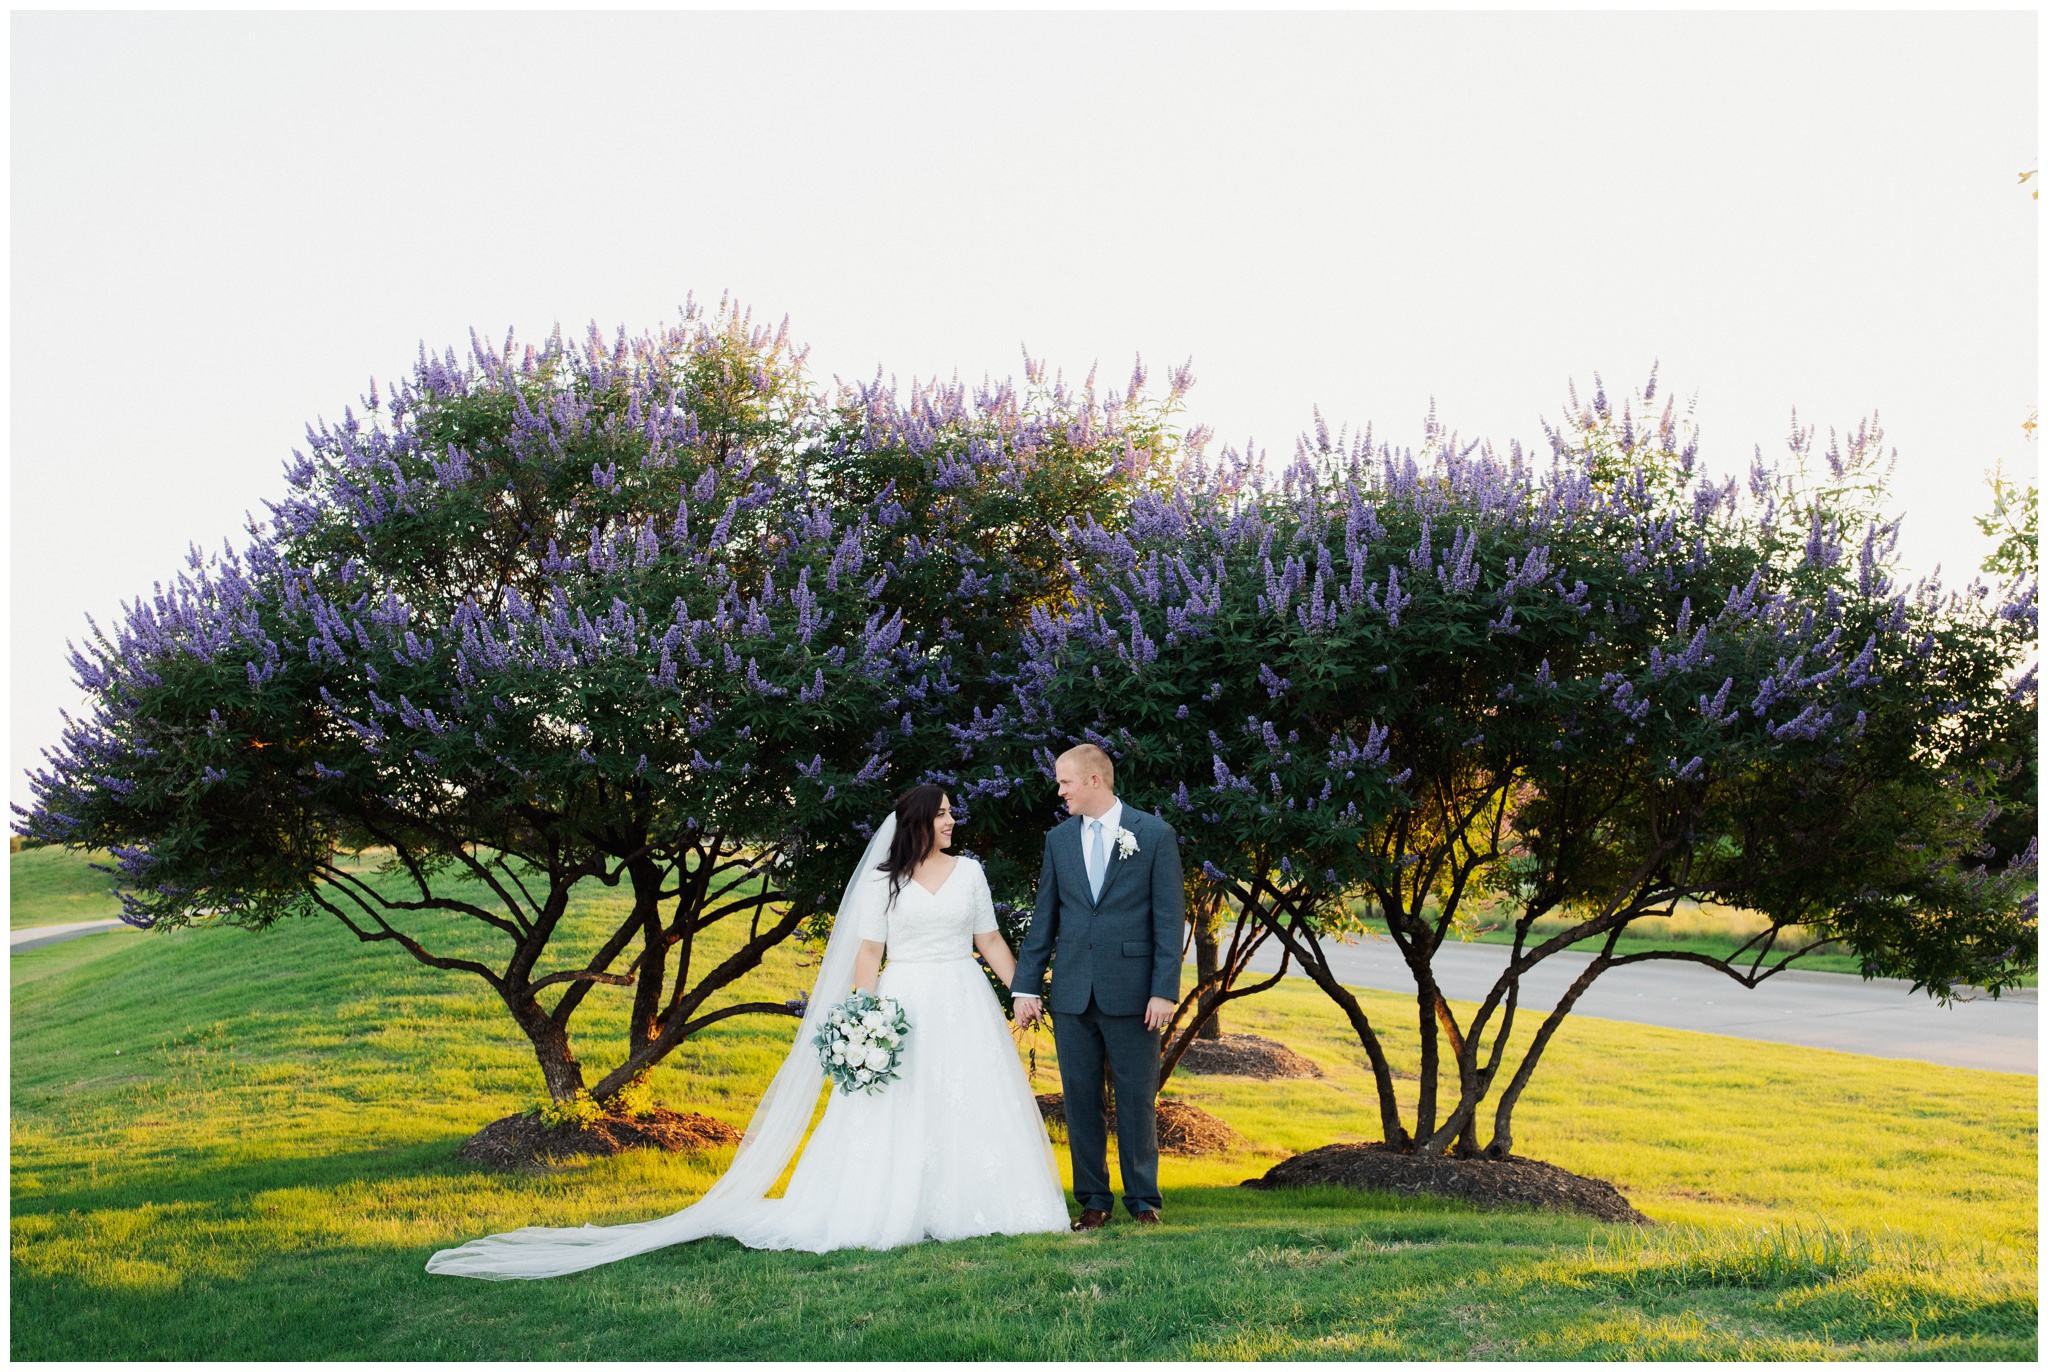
(1158, 1011)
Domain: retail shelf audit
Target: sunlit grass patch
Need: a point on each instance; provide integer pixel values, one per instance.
(1766, 1257)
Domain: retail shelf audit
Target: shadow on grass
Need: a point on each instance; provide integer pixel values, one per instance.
(1267, 1265)
(212, 1174)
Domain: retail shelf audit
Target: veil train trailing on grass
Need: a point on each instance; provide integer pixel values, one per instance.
(736, 1200)
(953, 1149)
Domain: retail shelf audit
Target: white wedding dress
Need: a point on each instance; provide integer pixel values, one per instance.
(953, 1148)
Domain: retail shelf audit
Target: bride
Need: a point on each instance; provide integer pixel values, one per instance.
(953, 1148)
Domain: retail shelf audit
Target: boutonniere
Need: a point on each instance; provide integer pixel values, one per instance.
(1126, 842)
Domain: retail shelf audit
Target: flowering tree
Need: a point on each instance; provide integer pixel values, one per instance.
(974, 487)
(645, 613)
(1244, 736)
(1597, 686)
(538, 621)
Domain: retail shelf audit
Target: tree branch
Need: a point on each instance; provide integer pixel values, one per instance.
(387, 934)
(429, 900)
(1753, 978)
(585, 976)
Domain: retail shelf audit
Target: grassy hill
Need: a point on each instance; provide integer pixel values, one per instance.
(53, 886)
(236, 1145)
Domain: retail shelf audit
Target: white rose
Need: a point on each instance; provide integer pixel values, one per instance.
(878, 1058)
(874, 1019)
(863, 1075)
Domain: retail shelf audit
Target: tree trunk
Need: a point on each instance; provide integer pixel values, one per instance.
(1425, 1091)
(1430, 1137)
(1382, 1071)
(1468, 1138)
(652, 978)
(1312, 962)
(1173, 1045)
(1503, 1141)
(558, 1065)
(680, 1019)
(1205, 918)
(1203, 1005)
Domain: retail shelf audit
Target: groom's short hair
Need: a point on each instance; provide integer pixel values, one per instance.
(1090, 758)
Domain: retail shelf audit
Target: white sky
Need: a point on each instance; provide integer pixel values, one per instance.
(224, 225)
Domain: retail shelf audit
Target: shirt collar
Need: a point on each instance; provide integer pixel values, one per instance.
(1112, 818)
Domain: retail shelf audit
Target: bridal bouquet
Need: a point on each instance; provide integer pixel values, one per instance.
(862, 1042)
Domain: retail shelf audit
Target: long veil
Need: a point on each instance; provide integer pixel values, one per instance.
(736, 1199)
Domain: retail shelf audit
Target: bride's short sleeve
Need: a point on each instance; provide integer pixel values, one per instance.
(984, 903)
(874, 920)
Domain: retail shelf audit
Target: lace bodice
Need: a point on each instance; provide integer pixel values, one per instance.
(920, 926)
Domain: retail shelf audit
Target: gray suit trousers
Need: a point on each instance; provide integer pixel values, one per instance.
(1087, 1042)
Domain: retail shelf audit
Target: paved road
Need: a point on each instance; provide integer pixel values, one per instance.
(21, 940)
(1812, 1009)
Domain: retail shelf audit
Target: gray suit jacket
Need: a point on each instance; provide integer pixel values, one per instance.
(1123, 947)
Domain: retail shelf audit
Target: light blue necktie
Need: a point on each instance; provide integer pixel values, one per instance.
(1098, 860)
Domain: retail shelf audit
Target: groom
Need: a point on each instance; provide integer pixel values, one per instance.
(1110, 903)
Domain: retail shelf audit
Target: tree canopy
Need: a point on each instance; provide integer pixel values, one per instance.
(659, 613)
(614, 613)
(1597, 683)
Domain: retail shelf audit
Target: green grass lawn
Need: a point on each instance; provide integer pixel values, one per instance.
(234, 1145)
(52, 886)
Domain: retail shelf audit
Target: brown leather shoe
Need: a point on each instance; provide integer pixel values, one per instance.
(1091, 1219)
(1147, 1217)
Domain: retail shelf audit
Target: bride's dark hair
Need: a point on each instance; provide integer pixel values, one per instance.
(916, 811)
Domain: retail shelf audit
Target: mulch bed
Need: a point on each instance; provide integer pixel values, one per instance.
(519, 1141)
(1489, 1184)
(1183, 1128)
(1245, 1055)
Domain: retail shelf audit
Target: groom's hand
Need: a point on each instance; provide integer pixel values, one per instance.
(1158, 1011)
(1026, 1008)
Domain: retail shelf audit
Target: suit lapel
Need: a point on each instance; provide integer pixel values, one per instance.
(1077, 865)
(1131, 820)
